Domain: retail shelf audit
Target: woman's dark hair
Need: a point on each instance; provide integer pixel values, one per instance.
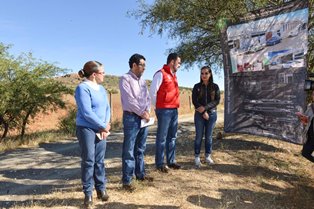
(135, 58)
(89, 68)
(210, 82)
(172, 56)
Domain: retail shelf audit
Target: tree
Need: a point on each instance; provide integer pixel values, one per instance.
(28, 87)
(196, 24)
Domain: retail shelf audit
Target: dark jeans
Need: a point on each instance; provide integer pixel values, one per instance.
(200, 125)
(166, 135)
(134, 145)
(92, 160)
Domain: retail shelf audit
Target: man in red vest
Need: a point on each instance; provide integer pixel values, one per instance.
(164, 92)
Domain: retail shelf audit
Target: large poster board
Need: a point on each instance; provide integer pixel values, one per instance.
(265, 71)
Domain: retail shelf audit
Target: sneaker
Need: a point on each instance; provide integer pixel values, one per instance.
(146, 178)
(198, 162)
(209, 160)
(128, 187)
(163, 169)
(174, 166)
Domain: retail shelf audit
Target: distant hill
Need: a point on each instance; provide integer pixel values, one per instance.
(111, 82)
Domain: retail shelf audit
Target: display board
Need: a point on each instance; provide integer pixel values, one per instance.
(265, 71)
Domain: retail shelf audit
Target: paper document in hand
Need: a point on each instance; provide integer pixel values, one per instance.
(145, 123)
(99, 137)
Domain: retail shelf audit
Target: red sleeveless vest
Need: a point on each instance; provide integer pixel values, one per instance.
(168, 93)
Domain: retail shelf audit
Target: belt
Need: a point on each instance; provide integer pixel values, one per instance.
(130, 113)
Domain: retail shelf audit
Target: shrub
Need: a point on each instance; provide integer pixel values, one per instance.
(67, 123)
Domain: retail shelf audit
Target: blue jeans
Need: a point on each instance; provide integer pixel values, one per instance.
(92, 160)
(134, 145)
(166, 135)
(200, 125)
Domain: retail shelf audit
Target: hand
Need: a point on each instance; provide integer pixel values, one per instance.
(206, 116)
(108, 127)
(303, 118)
(145, 116)
(200, 109)
(104, 135)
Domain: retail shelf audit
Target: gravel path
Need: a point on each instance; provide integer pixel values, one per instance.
(55, 166)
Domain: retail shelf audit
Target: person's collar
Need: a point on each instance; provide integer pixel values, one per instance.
(167, 69)
(133, 74)
(92, 84)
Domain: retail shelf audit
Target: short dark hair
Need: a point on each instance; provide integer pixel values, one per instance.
(135, 58)
(89, 68)
(172, 56)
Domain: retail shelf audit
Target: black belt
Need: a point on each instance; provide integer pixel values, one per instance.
(130, 113)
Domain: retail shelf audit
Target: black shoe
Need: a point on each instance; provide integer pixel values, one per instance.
(174, 166)
(128, 187)
(102, 195)
(163, 169)
(88, 201)
(146, 178)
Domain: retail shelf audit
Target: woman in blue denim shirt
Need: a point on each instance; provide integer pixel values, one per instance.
(205, 97)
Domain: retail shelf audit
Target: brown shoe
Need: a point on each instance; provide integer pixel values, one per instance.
(102, 195)
(88, 202)
(174, 166)
(128, 187)
(146, 178)
(163, 169)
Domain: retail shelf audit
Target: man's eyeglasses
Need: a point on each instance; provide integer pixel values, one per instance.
(141, 64)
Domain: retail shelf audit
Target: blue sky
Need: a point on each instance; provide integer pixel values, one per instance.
(71, 32)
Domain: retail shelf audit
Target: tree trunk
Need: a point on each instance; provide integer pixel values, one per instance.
(5, 127)
(25, 122)
(5, 132)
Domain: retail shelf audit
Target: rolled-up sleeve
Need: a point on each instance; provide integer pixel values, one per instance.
(154, 87)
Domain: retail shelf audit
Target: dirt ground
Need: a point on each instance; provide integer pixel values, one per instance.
(249, 172)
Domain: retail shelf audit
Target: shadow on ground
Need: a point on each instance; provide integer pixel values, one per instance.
(46, 203)
(118, 205)
(247, 199)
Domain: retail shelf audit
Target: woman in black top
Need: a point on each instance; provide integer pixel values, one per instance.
(205, 97)
(307, 120)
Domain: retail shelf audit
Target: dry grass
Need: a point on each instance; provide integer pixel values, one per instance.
(250, 172)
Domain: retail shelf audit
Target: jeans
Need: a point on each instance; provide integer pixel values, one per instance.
(134, 145)
(92, 160)
(200, 125)
(166, 135)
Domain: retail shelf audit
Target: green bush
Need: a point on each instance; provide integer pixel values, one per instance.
(67, 123)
